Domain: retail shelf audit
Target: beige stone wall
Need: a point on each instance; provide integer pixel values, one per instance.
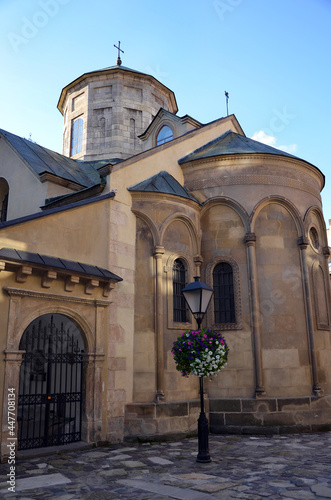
(285, 352)
(223, 232)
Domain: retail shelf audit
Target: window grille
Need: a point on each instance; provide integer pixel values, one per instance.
(224, 304)
(179, 282)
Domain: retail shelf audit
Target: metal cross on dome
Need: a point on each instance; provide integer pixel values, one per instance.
(119, 62)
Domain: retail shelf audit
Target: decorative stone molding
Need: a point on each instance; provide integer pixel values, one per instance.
(70, 283)
(90, 286)
(50, 296)
(250, 239)
(47, 278)
(22, 273)
(303, 242)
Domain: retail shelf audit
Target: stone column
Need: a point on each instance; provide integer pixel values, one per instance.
(303, 243)
(158, 256)
(197, 265)
(93, 395)
(13, 361)
(250, 241)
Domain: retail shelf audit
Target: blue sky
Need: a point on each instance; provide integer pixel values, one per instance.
(272, 56)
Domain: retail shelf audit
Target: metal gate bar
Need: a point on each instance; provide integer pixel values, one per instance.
(50, 391)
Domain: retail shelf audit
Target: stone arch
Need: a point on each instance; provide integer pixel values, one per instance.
(315, 211)
(281, 303)
(150, 223)
(321, 302)
(239, 209)
(165, 123)
(284, 202)
(53, 308)
(189, 225)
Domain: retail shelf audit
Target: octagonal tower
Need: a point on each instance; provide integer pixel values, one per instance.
(105, 111)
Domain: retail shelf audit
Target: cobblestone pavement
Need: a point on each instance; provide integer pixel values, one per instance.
(249, 467)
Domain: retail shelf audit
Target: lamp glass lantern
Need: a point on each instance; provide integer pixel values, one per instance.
(198, 296)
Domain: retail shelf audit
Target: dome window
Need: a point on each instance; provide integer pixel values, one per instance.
(165, 135)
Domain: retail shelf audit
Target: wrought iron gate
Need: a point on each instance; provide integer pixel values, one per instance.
(50, 388)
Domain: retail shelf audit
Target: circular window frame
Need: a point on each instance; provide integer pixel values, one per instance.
(314, 239)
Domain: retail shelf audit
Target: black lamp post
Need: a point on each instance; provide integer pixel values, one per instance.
(198, 296)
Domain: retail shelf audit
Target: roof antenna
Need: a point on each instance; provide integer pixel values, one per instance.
(119, 62)
(227, 102)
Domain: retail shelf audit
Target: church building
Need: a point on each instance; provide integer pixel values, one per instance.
(97, 243)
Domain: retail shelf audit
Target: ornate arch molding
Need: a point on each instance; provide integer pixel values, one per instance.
(16, 330)
(314, 209)
(208, 276)
(321, 299)
(165, 122)
(190, 226)
(285, 203)
(169, 280)
(150, 223)
(229, 202)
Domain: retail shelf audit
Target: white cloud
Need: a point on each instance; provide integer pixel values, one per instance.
(261, 136)
(271, 140)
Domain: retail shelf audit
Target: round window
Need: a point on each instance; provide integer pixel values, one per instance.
(313, 235)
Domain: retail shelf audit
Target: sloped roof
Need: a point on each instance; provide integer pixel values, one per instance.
(116, 68)
(12, 255)
(232, 143)
(43, 160)
(165, 183)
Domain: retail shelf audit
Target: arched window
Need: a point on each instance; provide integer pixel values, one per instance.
(76, 137)
(165, 135)
(224, 304)
(179, 282)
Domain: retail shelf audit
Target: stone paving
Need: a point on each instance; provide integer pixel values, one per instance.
(248, 467)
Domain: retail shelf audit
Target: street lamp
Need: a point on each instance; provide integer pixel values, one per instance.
(198, 296)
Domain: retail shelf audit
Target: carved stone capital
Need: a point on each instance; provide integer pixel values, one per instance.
(326, 252)
(250, 239)
(303, 242)
(158, 251)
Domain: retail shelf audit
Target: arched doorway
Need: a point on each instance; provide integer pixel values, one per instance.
(50, 385)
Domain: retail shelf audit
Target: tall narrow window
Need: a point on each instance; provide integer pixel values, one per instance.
(179, 282)
(165, 135)
(224, 305)
(76, 137)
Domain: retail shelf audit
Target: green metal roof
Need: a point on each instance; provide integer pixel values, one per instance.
(232, 143)
(43, 160)
(165, 183)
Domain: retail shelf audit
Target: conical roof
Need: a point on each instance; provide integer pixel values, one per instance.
(231, 143)
(163, 182)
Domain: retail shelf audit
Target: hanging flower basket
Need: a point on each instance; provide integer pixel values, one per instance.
(200, 352)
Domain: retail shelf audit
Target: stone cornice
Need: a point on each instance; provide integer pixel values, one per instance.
(261, 159)
(19, 292)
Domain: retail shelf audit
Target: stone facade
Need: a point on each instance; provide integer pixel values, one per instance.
(208, 197)
(116, 105)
